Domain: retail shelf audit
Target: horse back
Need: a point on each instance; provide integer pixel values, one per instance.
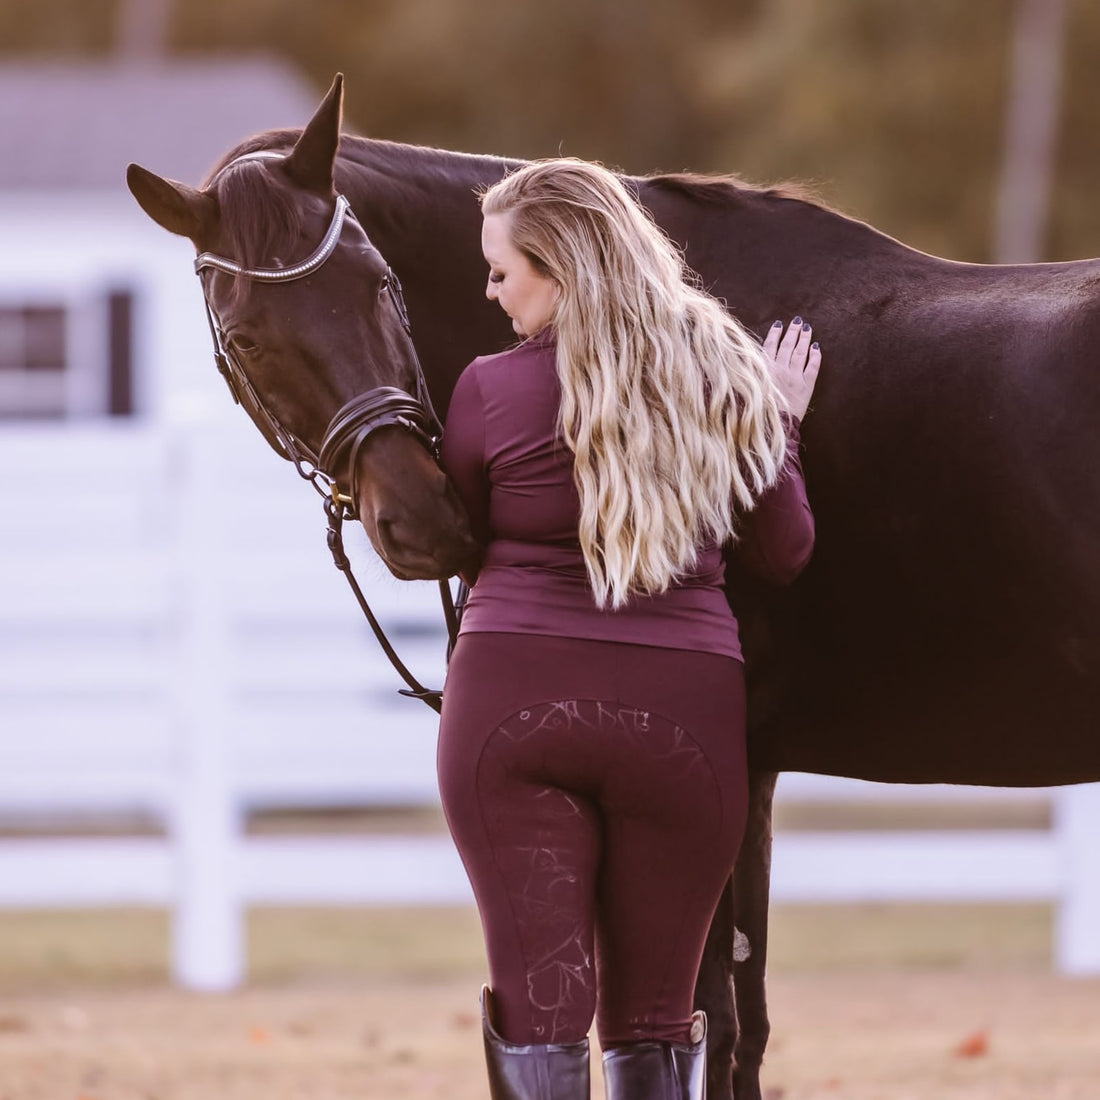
(948, 627)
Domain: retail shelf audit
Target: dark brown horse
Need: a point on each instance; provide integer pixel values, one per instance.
(948, 627)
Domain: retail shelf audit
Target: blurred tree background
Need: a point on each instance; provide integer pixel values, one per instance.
(893, 109)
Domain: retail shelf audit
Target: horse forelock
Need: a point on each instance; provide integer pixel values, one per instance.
(261, 221)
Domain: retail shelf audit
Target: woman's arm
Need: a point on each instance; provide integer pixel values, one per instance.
(777, 537)
(462, 456)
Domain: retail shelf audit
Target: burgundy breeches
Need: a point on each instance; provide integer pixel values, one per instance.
(597, 795)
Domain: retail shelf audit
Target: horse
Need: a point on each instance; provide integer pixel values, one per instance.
(948, 626)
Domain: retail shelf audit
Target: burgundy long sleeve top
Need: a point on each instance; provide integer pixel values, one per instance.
(504, 453)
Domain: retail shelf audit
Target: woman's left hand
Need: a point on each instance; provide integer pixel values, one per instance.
(795, 359)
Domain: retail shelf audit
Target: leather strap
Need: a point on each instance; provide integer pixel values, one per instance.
(452, 610)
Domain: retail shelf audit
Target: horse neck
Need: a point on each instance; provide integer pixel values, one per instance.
(416, 193)
(418, 206)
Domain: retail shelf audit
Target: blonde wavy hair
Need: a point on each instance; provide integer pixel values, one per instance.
(668, 405)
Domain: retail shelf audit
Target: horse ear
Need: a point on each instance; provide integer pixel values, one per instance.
(174, 206)
(309, 163)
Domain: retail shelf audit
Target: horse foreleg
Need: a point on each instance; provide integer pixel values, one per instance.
(714, 995)
(730, 987)
(751, 884)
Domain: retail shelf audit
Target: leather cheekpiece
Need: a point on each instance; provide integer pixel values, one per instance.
(651, 1070)
(533, 1071)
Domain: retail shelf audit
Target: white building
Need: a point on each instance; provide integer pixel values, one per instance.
(162, 573)
(97, 304)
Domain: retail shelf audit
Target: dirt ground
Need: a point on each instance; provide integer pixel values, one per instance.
(877, 1036)
(867, 1003)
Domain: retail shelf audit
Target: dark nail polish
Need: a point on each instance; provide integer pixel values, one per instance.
(777, 324)
(816, 346)
(796, 321)
(806, 326)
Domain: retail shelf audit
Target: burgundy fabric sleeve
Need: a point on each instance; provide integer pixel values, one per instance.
(777, 536)
(462, 456)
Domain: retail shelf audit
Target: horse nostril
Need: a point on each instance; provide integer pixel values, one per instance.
(387, 533)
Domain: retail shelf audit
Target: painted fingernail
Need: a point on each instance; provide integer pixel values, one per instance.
(796, 321)
(815, 346)
(806, 326)
(777, 324)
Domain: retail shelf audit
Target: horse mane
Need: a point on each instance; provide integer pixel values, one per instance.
(733, 193)
(718, 190)
(262, 223)
(714, 190)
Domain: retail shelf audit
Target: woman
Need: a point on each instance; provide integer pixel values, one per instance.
(592, 750)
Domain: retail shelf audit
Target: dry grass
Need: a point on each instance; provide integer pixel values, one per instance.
(109, 949)
(1023, 813)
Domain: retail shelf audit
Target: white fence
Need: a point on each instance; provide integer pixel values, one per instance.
(1060, 865)
(175, 642)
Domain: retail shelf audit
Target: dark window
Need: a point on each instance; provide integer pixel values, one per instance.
(33, 361)
(32, 338)
(72, 358)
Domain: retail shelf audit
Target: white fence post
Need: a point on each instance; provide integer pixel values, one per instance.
(1077, 824)
(208, 933)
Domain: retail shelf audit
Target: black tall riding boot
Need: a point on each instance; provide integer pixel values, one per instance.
(659, 1071)
(533, 1071)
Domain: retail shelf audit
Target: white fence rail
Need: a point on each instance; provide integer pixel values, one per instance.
(175, 642)
(1060, 865)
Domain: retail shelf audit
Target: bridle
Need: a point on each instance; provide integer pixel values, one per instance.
(349, 429)
(377, 408)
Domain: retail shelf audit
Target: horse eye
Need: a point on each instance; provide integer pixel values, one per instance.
(243, 345)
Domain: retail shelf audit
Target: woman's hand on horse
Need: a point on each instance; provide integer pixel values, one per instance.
(795, 359)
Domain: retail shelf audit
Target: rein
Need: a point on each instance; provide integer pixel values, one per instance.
(349, 429)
